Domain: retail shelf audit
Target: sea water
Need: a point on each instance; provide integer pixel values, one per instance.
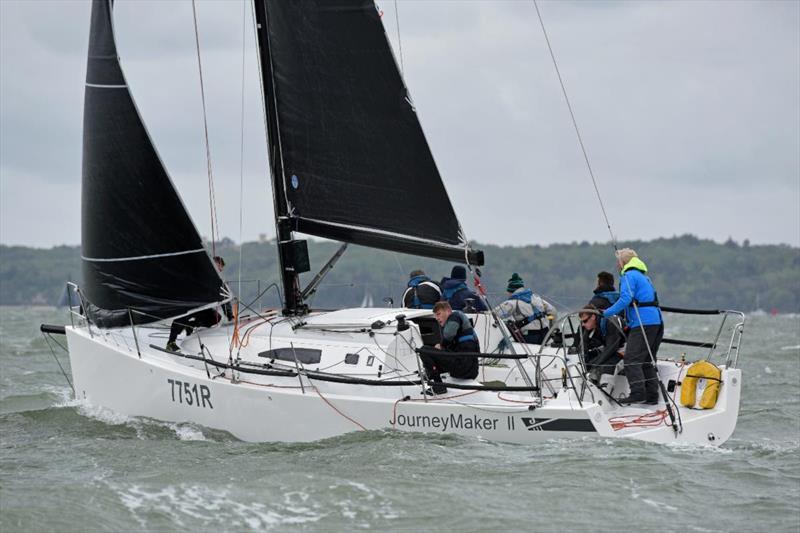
(70, 466)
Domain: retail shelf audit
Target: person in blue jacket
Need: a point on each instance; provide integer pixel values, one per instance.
(639, 301)
(605, 295)
(456, 292)
(421, 292)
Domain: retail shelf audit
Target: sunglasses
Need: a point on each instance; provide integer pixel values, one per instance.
(585, 320)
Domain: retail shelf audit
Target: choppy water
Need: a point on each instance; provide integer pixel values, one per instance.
(66, 466)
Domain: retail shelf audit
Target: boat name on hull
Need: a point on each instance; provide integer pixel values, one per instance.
(444, 423)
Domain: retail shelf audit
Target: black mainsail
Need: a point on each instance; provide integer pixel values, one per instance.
(348, 156)
(140, 250)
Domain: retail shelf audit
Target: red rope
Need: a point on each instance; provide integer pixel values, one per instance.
(337, 410)
(652, 419)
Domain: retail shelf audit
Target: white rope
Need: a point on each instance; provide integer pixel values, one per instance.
(575, 125)
(211, 195)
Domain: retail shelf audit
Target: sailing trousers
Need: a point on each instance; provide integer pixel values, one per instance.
(639, 369)
(201, 319)
(450, 362)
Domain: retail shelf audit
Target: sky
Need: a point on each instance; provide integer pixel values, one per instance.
(689, 111)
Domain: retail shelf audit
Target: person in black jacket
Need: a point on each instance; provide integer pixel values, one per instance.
(603, 339)
(201, 319)
(421, 293)
(456, 292)
(605, 295)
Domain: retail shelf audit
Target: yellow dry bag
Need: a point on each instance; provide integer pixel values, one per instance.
(712, 375)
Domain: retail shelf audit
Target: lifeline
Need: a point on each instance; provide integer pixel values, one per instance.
(447, 422)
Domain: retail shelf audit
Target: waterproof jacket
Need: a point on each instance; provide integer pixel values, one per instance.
(421, 293)
(634, 285)
(602, 344)
(524, 304)
(456, 292)
(604, 297)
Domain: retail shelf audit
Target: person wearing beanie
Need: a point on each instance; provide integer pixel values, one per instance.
(456, 292)
(421, 292)
(531, 314)
(638, 300)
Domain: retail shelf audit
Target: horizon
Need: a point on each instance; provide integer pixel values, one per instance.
(270, 240)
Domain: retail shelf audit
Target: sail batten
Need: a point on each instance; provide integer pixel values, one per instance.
(353, 163)
(142, 257)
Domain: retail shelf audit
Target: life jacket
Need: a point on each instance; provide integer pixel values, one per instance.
(465, 331)
(413, 283)
(449, 291)
(701, 370)
(611, 296)
(654, 303)
(526, 296)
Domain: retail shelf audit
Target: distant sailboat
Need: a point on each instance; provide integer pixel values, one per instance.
(367, 300)
(69, 296)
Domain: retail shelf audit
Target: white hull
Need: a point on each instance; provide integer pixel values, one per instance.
(109, 372)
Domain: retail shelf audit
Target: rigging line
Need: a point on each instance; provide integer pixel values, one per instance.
(241, 152)
(399, 41)
(211, 199)
(575, 125)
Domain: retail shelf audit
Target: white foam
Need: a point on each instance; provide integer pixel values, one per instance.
(787, 348)
(187, 432)
(692, 447)
(208, 506)
(103, 414)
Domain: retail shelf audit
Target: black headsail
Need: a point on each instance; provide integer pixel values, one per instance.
(349, 159)
(140, 249)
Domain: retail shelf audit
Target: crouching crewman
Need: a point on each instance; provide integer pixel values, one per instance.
(458, 335)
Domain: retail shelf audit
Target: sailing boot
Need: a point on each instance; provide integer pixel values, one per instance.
(437, 387)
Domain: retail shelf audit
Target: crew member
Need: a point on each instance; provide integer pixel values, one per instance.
(605, 295)
(458, 335)
(421, 293)
(639, 301)
(529, 312)
(456, 292)
(603, 339)
(201, 319)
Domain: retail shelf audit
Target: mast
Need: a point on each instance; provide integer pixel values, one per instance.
(290, 251)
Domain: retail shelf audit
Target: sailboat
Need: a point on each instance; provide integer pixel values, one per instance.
(347, 159)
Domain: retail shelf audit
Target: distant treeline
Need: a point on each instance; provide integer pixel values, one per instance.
(686, 270)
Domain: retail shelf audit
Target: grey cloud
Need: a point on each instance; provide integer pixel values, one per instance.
(685, 107)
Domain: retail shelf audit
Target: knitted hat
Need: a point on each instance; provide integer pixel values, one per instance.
(458, 272)
(515, 282)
